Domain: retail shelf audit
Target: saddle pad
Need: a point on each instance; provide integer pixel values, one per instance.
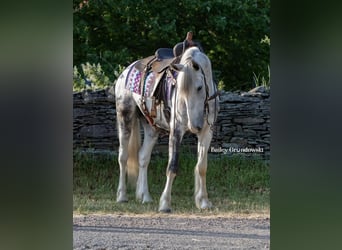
(133, 82)
(152, 80)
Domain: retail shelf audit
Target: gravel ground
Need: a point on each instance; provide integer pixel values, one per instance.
(103, 232)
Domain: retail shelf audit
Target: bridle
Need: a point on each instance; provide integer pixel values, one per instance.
(210, 98)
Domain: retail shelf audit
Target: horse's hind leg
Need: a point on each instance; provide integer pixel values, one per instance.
(201, 195)
(150, 138)
(125, 109)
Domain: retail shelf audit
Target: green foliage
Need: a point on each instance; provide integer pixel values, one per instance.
(220, 85)
(235, 185)
(93, 75)
(116, 33)
(78, 81)
(262, 80)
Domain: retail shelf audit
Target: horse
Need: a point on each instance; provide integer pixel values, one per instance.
(193, 107)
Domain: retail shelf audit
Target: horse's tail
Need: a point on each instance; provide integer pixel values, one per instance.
(133, 153)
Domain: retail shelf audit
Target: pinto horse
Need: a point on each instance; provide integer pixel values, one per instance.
(193, 107)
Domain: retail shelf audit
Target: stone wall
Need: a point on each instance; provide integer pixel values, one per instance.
(243, 124)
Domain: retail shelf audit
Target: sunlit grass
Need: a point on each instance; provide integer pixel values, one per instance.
(235, 185)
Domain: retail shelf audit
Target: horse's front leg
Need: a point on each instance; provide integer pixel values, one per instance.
(201, 195)
(175, 139)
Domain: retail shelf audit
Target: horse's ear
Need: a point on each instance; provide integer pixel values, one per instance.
(177, 66)
(195, 65)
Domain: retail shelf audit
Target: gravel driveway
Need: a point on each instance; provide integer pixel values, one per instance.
(158, 231)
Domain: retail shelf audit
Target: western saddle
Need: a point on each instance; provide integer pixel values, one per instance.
(156, 106)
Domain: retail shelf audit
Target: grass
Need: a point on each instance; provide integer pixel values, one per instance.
(235, 185)
(263, 81)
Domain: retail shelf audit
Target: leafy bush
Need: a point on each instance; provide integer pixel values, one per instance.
(92, 77)
(78, 81)
(233, 34)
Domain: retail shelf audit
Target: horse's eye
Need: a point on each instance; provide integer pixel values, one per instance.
(195, 65)
(199, 88)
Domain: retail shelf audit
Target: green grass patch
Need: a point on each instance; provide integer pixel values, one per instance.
(235, 185)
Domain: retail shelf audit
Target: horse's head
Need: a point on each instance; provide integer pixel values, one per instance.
(194, 85)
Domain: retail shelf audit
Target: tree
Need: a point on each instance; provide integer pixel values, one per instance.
(115, 33)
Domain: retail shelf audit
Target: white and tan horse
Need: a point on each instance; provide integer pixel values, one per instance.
(194, 107)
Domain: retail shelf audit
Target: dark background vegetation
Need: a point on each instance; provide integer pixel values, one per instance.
(234, 34)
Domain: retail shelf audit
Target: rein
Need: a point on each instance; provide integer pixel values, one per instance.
(213, 96)
(209, 98)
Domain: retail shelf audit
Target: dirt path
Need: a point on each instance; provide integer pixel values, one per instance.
(157, 231)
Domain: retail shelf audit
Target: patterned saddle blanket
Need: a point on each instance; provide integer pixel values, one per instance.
(151, 81)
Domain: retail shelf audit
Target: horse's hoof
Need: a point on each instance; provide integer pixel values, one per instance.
(144, 198)
(164, 206)
(122, 199)
(206, 205)
(203, 203)
(166, 210)
(147, 200)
